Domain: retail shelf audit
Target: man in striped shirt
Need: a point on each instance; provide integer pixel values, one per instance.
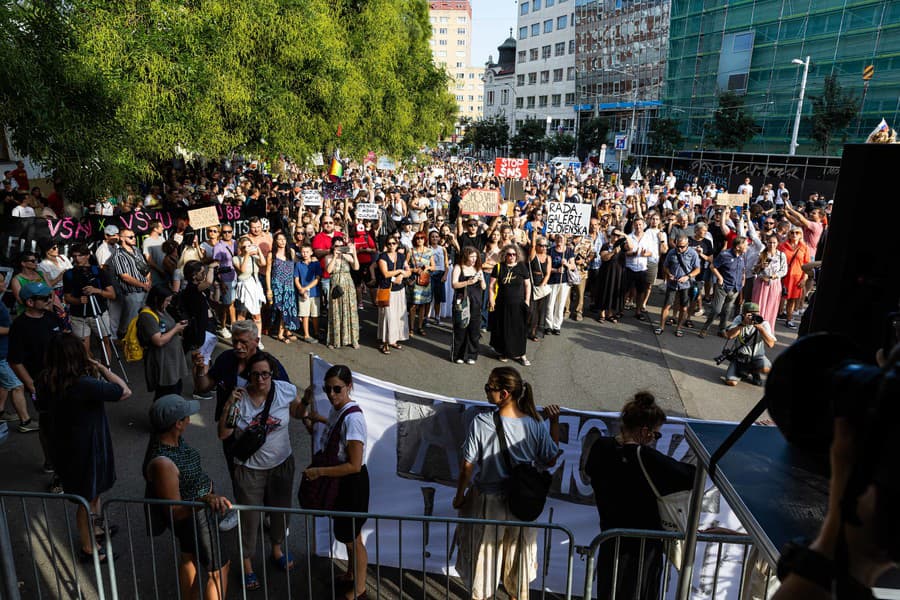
(130, 268)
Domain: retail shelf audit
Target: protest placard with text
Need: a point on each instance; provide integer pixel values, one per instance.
(569, 218)
(511, 167)
(311, 198)
(201, 218)
(724, 199)
(367, 210)
(480, 202)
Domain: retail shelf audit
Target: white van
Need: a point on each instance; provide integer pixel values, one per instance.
(562, 162)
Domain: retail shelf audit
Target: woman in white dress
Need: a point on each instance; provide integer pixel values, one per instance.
(248, 290)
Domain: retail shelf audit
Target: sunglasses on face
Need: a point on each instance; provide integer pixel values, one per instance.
(656, 435)
(260, 374)
(488, 388)
(226, 231)
(333, 389)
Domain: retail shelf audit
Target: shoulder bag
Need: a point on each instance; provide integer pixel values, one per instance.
(538, 290)
(321, 493)
(672, 514)
(526, 488)
(253, 438)
(573, 276)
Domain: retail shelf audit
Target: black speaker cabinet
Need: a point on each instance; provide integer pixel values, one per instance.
(859, 284)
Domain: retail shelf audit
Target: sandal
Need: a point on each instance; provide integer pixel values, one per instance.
(502, 359)
(658, 331)
(689, 324)
(100, 536)
(612, 319)
(384, 350)
(525, 362)
(285, 562)
(251, 582)
(396, 346)
(679, 333)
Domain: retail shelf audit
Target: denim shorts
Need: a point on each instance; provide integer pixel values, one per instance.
(8, 379)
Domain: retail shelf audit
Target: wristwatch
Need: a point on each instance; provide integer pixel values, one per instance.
(798, 558)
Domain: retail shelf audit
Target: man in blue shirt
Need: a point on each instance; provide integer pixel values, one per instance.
(307, 274)
(728, 269)
(680, 267)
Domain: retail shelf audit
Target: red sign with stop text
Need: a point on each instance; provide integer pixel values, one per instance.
(511, 167)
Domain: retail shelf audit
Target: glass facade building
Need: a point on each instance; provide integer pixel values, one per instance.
(748, 46)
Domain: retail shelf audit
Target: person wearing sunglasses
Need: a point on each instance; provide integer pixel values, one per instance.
(509, 303)
(529, 441)
(392, 270)
(344, 440)
(223, 253)
(631, 460)
(266, 477)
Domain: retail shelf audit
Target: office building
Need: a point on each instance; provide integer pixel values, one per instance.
(451, 43)
(749, 47)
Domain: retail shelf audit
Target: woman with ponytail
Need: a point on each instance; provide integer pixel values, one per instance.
(625, 499)
(529, 441)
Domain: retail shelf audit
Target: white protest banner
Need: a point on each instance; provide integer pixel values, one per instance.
(367, 210)
(311, 198)
(569, 218)
(413, 441)
(724, 199)
(480, 202)
(318, 160)
(201, 218)
(437, 172)
(386, 164)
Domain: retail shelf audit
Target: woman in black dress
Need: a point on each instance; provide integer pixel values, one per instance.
(629, 459)
(610, 291)
(509, 302)
(78, 387)
(468, 284)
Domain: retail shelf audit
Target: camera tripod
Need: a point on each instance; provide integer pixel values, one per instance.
(106, 338)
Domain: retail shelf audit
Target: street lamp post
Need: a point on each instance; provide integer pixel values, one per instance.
(793, 148)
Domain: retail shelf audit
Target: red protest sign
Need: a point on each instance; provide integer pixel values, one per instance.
(511, 167)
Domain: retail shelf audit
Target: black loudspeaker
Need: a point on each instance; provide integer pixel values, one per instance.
(859, 284)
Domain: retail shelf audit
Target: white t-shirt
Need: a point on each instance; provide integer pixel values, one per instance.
(745, 188)
(23, 211)
(654, 234)
(638, 263)
(51, 269)
(278, 441)
(103, 252)
(353, 429)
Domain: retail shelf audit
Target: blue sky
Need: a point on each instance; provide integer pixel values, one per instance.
(491, 22)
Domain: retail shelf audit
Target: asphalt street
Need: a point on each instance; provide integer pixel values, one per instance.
(590, 366)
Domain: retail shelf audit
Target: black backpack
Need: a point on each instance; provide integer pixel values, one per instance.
(526, 488)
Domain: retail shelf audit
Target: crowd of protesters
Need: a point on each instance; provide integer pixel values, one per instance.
(306, 267)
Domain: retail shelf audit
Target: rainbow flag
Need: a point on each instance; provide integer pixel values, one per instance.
(337, 169)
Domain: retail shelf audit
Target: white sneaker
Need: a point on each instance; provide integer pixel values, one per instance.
(225, 333)
(470, 361)
(230, 521)
(261, 347)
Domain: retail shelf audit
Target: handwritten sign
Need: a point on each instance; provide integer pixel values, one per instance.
(367, 211)
(480, 202)
(568, 218)
(511, 167)
(311, 198)
(386, 164)
(201, 218)
(732, 199)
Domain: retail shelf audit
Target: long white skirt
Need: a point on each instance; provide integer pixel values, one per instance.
(250, 294)
(393, 326)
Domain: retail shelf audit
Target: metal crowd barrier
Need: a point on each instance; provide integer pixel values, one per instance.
(148, 566)
(717, 548)
(40, 548)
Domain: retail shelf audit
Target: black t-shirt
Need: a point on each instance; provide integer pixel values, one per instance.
(704, 247)
(479, 241)
(29, 338)
(76, 279)
(623, 496)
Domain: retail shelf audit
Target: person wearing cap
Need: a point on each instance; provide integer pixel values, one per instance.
(173, 472)
(753, 334)
(87, 290)
(10, 386)
(30, 334)
(106, 248)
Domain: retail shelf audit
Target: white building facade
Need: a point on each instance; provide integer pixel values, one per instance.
(545, 64)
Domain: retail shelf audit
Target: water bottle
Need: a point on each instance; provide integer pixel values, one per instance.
(233, 415)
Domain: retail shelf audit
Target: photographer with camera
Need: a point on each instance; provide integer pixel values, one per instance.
(87, 289)
(747, 358)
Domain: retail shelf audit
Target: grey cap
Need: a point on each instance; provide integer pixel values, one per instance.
(170, 409)
(111, 230)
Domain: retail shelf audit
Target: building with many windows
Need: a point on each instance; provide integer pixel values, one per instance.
(500, 84)
(545, 63)
(451, 44)
(621, 63)
(750, 47)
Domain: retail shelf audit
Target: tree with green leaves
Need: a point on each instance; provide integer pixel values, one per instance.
(592, 134)
(665, 137)
(560, 144)
(732, 125)
(487, 134)
(832, 113)
(113, 89)
(529, 139)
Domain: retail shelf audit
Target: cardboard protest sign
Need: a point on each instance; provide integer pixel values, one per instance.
(732, 199)
(311, 198)
(366, 210)
(480, 202)
(511, 167)
(568, 218)
(201, 218)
